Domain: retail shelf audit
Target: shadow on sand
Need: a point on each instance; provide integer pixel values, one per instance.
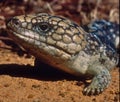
(47, 73)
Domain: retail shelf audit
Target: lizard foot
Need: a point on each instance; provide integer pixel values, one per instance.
(98, 84)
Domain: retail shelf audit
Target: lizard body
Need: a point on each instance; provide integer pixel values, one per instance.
(63, 44)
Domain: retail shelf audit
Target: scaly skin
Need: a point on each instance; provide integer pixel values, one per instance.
(63, 44)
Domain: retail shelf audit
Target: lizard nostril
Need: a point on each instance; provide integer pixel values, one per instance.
(15, 21)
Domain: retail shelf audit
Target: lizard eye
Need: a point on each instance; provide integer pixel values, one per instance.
(42, 27)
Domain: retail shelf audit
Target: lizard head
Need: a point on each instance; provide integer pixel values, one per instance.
(54, 35)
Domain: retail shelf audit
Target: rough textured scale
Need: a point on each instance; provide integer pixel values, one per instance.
(63, 44)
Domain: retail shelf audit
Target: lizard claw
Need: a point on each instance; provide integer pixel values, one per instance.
(92, 91)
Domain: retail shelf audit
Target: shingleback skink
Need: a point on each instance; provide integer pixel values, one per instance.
(63, 44)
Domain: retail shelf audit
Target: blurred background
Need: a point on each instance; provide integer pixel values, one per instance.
(81, 11)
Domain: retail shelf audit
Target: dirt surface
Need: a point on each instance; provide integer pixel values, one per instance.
(19, 80)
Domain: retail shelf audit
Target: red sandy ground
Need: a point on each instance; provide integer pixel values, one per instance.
(18, 83)
(18, 80)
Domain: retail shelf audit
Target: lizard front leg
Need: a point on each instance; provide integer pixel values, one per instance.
(100, 80)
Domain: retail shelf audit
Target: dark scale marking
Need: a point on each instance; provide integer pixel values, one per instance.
(107, 29)
(100, 31)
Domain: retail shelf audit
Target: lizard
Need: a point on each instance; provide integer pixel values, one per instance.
(63, 44)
